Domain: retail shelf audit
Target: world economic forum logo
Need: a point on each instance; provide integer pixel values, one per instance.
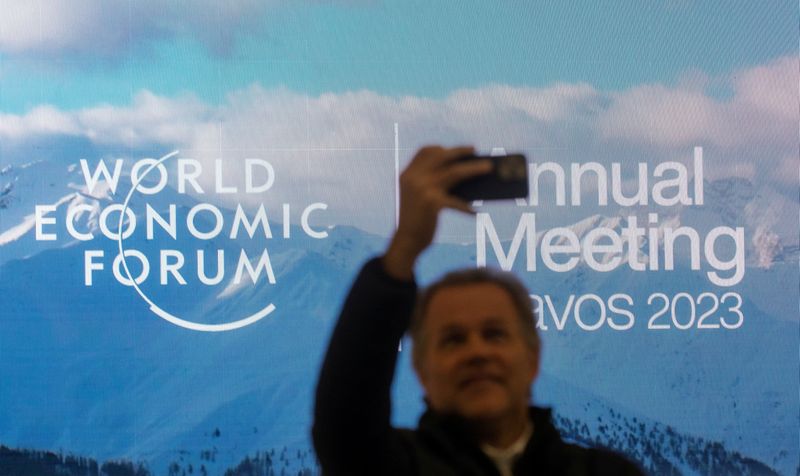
(174, 241)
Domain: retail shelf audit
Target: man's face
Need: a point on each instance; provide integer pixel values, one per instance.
(475, 362)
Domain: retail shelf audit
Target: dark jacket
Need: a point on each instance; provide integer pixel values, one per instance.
(352, 417)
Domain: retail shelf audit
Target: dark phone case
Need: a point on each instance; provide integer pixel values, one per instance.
(508, 179)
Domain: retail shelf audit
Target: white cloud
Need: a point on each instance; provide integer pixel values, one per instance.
(150, 119)
(771, 88)
(762, 110)
(41, 121)
(109, 27)
(338, 147)
(558, 102)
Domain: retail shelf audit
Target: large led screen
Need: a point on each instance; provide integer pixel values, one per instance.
(188, 188)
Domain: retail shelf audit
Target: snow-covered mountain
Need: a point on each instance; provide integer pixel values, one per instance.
(63, 188)
(91, 370)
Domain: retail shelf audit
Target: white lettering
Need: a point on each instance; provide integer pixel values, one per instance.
(172, 267)
(72, 214)
(137, 179)
(260, 218)
(40, 220)
(248, 173)
(304, 221)
(263, 262)
(190, 221)
(117, 268)
(92, 179)
(184, 175)
(89, 265)
(525, 228)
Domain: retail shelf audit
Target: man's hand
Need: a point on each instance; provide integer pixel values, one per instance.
(424, 192)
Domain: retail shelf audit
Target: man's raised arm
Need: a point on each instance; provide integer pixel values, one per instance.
(352, 430)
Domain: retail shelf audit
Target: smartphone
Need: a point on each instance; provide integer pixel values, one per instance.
(507, 179)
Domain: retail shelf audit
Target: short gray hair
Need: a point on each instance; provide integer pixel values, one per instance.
(504, 280)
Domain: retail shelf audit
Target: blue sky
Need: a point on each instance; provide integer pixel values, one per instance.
(316, 86)
(419, 48)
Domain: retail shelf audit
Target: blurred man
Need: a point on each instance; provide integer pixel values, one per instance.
(476, 353)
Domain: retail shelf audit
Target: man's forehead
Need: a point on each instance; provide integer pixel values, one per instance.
(482, 291)
(454, 323)
(484, 302)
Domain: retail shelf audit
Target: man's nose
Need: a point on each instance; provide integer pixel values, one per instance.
(477, 349)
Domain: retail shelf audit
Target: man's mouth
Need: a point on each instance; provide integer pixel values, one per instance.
(479, 379)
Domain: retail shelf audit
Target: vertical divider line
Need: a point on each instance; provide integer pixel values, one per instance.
(396, 176)
(397, 193)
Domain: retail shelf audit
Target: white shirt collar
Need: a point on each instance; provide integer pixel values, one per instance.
(504, 458)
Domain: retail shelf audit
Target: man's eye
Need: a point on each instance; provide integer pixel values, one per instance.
(496, 334)
(450, 340)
